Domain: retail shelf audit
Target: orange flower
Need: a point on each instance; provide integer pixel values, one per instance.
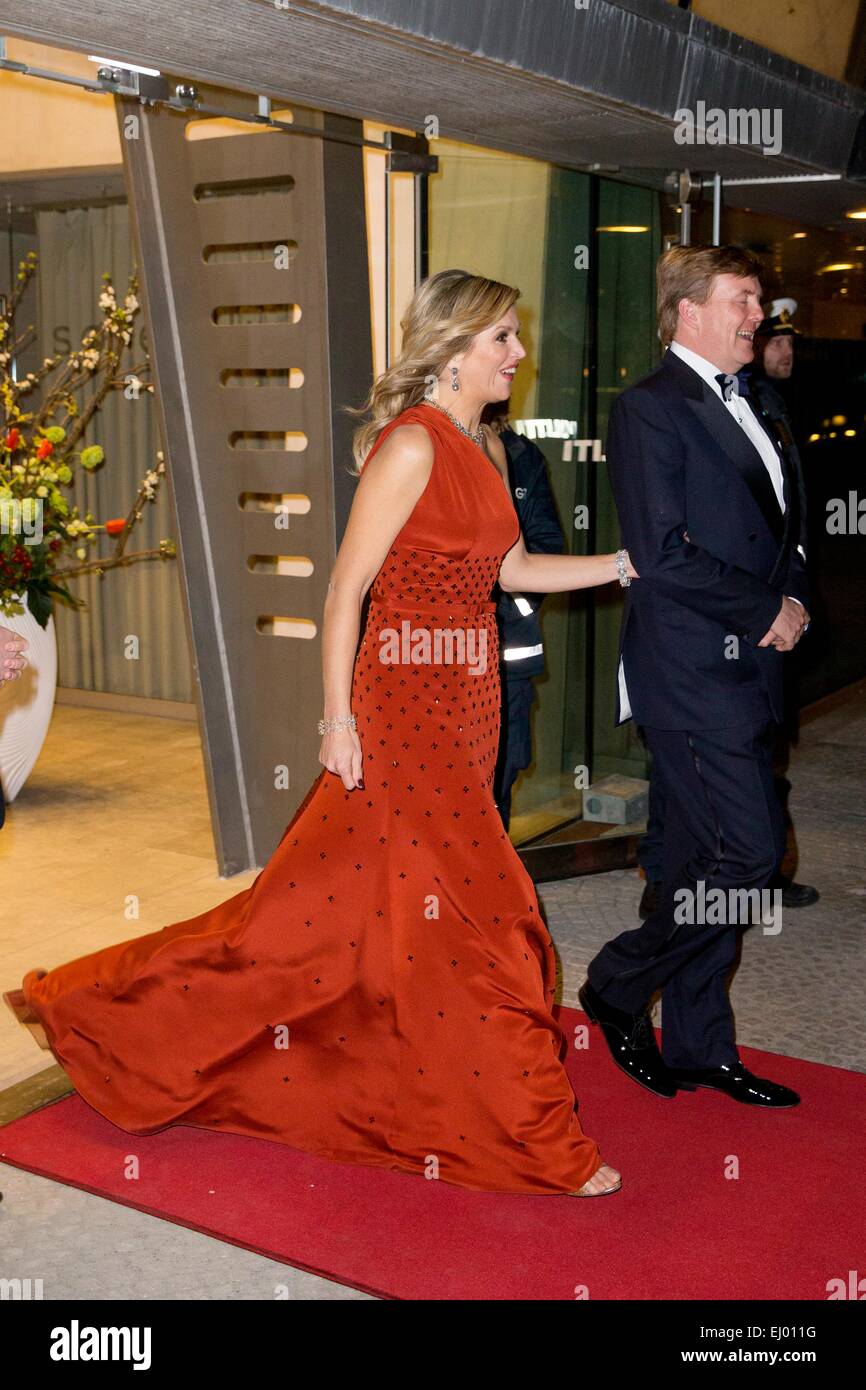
(45, 449)
(13, 439)
(114, 528)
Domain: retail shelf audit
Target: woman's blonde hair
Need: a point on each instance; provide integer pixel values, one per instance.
(444, 315)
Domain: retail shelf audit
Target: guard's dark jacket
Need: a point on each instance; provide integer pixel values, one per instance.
(519, 627)
(772, 407)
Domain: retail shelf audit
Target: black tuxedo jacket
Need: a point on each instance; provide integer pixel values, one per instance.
(679, 463)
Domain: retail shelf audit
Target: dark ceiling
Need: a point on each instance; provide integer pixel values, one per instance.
(576, 87)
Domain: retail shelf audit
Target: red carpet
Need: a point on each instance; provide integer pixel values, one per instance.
(794, 1219)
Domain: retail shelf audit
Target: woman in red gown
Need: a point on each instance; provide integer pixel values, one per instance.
(382, 992)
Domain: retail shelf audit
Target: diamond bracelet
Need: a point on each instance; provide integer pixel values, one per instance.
(621, 568)
(337, 722)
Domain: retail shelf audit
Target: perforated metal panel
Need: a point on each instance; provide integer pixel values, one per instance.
(253, 255)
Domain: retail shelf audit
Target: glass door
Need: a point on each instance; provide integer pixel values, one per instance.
(582, 250)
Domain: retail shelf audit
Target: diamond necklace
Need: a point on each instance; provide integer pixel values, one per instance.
(476, 438)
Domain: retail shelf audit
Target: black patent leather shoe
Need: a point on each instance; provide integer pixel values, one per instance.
(632, 1042)
(651, 899)
(799, 895)
(737, 1082)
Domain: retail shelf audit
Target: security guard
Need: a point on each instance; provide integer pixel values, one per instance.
(767, 379)
(521, 649)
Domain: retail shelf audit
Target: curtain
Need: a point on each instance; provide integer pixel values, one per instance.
(143, 601)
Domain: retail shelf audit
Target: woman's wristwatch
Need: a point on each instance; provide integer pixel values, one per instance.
(337, 722)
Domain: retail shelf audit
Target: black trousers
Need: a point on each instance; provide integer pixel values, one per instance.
(515, 739)
(724, 830)
(651, 846)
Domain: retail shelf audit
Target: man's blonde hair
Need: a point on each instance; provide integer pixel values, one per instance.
(688, 272)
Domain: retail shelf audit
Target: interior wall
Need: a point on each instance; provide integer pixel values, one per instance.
(59, 127)
(402, 231)
(817, 34)
(470, 228)
(64, 128)
(56, 126)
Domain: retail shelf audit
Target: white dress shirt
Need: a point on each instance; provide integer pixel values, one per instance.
(748, 422)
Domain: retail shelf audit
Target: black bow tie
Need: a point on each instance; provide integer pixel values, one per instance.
(734, 385)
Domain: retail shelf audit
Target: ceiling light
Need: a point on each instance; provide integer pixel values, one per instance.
(128, 67)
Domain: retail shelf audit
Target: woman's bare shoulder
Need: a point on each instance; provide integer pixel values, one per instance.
(412, 439)
(407, 452)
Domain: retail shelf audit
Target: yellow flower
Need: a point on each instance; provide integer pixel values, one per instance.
(92, 456)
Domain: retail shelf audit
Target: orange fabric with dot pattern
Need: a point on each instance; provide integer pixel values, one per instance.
(381, 994)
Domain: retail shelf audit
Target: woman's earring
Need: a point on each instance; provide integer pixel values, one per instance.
(455, 382)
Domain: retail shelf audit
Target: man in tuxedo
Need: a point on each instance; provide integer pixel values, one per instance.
(707, 513)
(774, 359)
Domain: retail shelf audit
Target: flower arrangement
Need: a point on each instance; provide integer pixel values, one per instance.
(41, 449)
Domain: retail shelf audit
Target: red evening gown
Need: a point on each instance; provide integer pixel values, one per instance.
(381, 993)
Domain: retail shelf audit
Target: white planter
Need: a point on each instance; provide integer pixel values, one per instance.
(26, 704)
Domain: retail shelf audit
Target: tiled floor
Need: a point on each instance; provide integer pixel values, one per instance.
(802, 991)
(117, 807)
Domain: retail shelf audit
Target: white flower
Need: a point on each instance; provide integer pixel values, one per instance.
(81, 552)
(130, 303)
(150, 483)
(107, 300)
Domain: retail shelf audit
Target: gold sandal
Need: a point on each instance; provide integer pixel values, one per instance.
(605, 1191)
